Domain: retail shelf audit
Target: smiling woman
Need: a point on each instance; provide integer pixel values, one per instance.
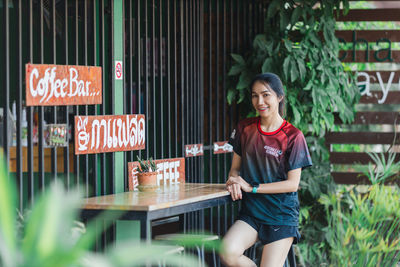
(269, 154)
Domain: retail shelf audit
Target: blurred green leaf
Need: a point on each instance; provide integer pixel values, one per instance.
(267, 65)
(235, 70)
(8, 207)
(238, 58)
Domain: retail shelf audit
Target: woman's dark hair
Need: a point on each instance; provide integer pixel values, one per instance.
(273, 82)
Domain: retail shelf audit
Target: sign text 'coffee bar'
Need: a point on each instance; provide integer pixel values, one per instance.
(53, 85)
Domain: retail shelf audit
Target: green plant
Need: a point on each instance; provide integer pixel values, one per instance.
(300, 46)
(382, 169)
(49, 235)
(149, 166)
(363, 227)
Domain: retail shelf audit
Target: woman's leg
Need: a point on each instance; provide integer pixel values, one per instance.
(275, 253)
(240, 237)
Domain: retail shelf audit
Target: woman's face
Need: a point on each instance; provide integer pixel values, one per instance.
(265, 100)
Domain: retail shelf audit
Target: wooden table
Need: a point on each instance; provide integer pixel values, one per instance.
(166, 201)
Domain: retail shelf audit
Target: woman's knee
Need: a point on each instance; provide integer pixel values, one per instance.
(230, 253)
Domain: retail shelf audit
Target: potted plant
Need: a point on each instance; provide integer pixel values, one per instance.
(147, 175)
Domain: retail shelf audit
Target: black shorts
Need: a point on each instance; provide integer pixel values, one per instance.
(270, 233)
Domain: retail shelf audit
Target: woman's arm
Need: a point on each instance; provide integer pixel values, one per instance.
(235, 167)
(234, 188)
(289, 185)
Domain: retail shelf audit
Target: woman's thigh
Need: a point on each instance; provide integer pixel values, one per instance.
(275, 253)
(239, 237)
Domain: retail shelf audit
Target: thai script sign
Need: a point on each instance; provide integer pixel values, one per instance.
(51, 85)
(170, 171)
(194, 150)
(111, 133)
(222, 147)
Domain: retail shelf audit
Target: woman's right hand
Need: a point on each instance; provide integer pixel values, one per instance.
(235, 190)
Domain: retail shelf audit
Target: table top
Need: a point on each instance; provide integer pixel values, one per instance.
(164, 197)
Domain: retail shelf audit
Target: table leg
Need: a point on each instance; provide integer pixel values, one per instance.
(145, 229)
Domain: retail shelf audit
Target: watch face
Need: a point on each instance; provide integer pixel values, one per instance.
(255, 184)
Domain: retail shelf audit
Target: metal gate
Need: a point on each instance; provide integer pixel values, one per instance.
(176, 59)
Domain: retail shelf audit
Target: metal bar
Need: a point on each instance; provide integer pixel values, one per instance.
(112, 167)
(146, 80)
(130, 62)
(217, 119)
(124, 94)
(175, 42)
(40, 109)
(96, 156)
(103, 109)
(188, 85)
(234, 49)
(103, 105)
(253, 19)
(217, 55)
(192, 107)
(54, 109)
(194, 101)
(182, 78)
(246, 30)
(85, 44)
(201, 93)
(138, 60)
(31, 186)
(76, 108)
(66, 149)
(210, 71)
(153, 79)
(160, 77)
(19, 110)
(168, 57)
(224, 106)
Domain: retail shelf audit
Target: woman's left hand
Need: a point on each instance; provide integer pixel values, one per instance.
(245, 186)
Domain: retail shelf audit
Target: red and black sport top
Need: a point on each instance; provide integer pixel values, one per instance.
(266, 158)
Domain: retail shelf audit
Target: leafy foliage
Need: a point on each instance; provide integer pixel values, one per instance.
(50, 235)
(299, 45)
(382, 169)
(363, 227)
(292, 47)
(149, 166)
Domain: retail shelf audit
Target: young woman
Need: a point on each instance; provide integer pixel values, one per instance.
(269, 154)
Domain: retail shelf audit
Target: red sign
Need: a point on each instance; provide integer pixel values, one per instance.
(52, 85)
(118, 70)
(194, 150)
(170, 171)
(222, 147)
(111, 133)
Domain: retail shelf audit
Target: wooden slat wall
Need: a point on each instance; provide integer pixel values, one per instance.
(372, 110)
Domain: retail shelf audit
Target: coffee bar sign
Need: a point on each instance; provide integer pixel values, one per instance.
(52, 85)
(109, 133)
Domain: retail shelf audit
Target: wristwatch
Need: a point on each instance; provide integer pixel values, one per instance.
(255, 186)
